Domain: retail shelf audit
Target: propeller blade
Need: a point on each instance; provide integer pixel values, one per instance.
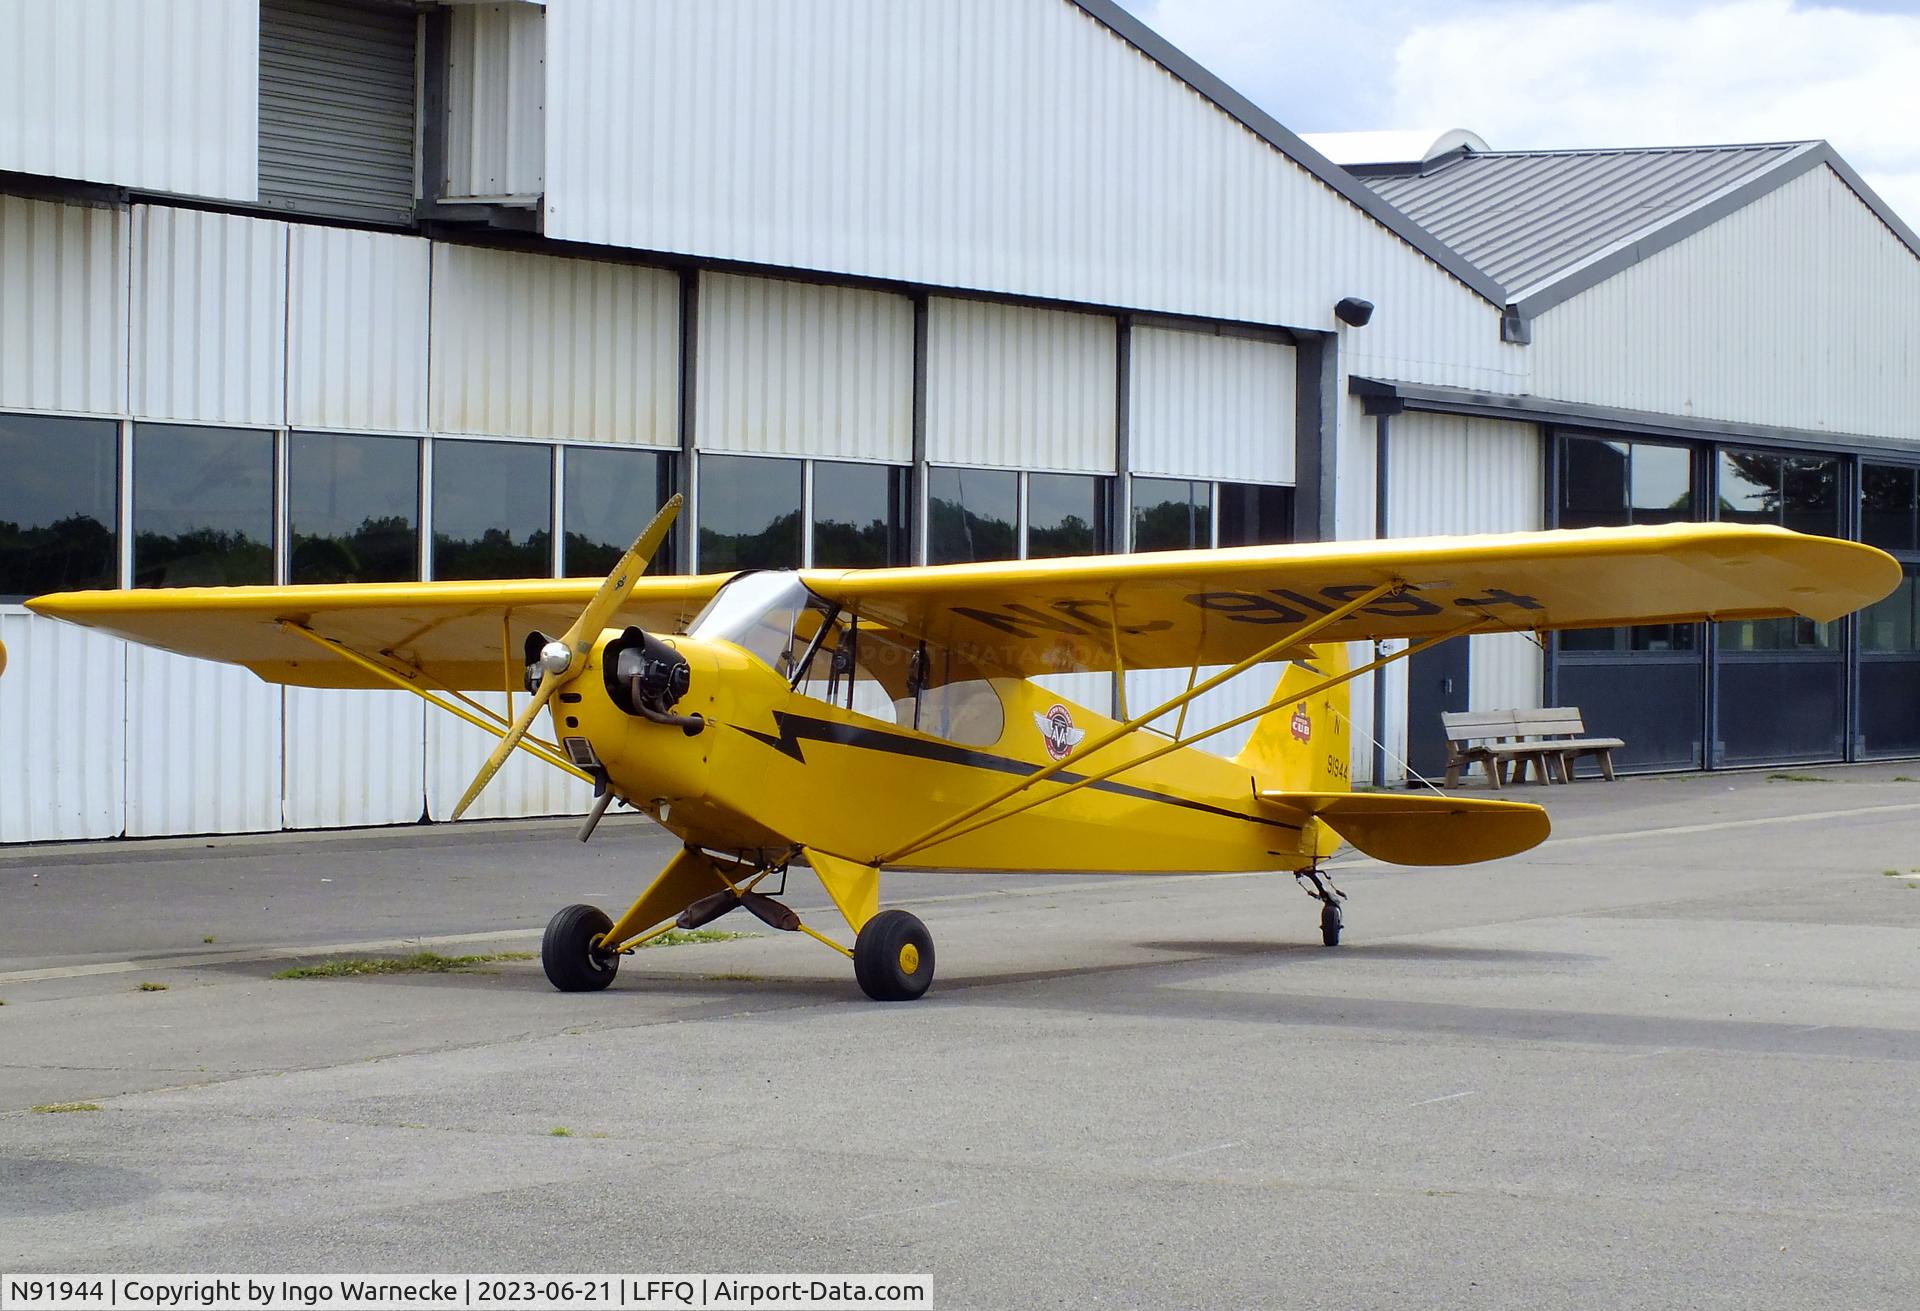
(620, 583)
(549, 684)
(606, 603)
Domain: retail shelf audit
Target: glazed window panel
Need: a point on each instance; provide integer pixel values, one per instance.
(1810, 495)
(1593, 483)
(353, 508)
(1887, 504)
(972, 514)
(749, 513)
(1892, 624)
(1749, 490)
(1067, 514)
(1172, 514)
(1660, 484)
(202, 506)
(860, 515)
(59, 505)
(492, 510)
(1252, 514)
(609, 497)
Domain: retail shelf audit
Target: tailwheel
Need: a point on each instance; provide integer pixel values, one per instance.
(570, 951)
(1332, 918)
(1330, 921)
(893, 957)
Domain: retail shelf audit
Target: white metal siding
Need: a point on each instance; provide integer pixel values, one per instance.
(796, 369)
(158, 97)
(496, 97)
(1450, 475)
(63, 722)
(524, 786)
(539, 346)
(357, 330)
(353, 758)
(1003, 145)
(63, 306)
(203, 747)
(1207, 406)
(1796, 311)
(209, 317)
(1147, 688)
(1024, 388)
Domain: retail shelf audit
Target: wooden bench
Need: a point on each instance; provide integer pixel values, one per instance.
(1544, 741)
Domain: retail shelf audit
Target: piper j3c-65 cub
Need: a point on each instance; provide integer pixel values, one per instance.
(861, 720)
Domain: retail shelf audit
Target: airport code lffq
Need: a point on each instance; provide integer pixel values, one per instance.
(601, 1292)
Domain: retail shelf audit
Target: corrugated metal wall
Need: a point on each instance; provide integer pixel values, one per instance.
(1005, 145)
(1208, 406)
(150, 96)
(1451, 475)
(63, 306)
(209, 317)
(1024, 388)
(538, 346)
(63, 708)
(1796, 311)
(203, 747)
(792, 368)
(496, 101)
(357, 330)
(353, 758)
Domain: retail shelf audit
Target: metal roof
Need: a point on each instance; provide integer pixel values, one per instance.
(1527, 217)
(1548, 224)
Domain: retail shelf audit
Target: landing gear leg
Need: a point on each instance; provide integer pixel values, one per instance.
(1321, 889)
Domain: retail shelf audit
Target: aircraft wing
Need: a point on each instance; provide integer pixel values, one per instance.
(1171, 609)
(453, 631)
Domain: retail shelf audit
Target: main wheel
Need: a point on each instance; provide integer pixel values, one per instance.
(893, 957)
(567, 953)
(1330, 921)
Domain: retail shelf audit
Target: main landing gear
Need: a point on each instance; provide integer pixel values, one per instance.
(892, 951)
(1332, 918)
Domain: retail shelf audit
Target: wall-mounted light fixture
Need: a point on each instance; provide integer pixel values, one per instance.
(1354, 312)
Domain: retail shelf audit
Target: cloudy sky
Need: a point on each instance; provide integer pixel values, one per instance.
(1541, 73)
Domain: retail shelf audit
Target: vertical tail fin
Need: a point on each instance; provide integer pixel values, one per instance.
(1303, 745)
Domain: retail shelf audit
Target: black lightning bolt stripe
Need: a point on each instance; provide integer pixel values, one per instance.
(795, 729)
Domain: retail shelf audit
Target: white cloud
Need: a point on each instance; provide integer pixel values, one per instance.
(1602, 73)
(1616, 74)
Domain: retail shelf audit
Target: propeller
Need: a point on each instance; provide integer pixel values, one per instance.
(562, 659)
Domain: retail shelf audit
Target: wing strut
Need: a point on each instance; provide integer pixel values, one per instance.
(1294, 638)
(1178, 743)
(406, 684)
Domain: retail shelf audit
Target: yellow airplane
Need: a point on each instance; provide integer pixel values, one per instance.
(858, 720)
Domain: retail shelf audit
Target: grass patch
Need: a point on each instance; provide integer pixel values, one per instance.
(1905, 778)
(1797, 778)
(421, 962)
(1889, 873)
(207, 938)
(732, 976)
(559, 1131)
(62, 1108)
(684, 937)
(153, 987)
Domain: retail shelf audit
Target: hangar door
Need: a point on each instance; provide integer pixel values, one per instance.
(337, 91)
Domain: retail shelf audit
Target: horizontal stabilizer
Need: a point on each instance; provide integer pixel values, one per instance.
(1419, 829)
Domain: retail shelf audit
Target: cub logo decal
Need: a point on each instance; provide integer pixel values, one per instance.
(1057, 731)
(1301, 725)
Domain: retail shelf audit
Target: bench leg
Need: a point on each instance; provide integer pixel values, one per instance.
(1606, 764)
(1495, 767)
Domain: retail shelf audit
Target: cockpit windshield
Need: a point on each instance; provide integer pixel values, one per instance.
(763, 612)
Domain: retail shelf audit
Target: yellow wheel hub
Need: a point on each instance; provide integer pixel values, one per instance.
(909, 959)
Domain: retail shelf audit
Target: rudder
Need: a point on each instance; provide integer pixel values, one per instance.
(1303, 745)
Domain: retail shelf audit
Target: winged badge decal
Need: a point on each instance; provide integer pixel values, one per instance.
(1057, 731)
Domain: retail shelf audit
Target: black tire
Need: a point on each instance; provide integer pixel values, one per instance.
(567, 953)
(893, 957)
(1330, 922)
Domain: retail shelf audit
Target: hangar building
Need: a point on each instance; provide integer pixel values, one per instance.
(312, 290)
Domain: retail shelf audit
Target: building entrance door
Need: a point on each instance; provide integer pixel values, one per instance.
(1436, 682)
